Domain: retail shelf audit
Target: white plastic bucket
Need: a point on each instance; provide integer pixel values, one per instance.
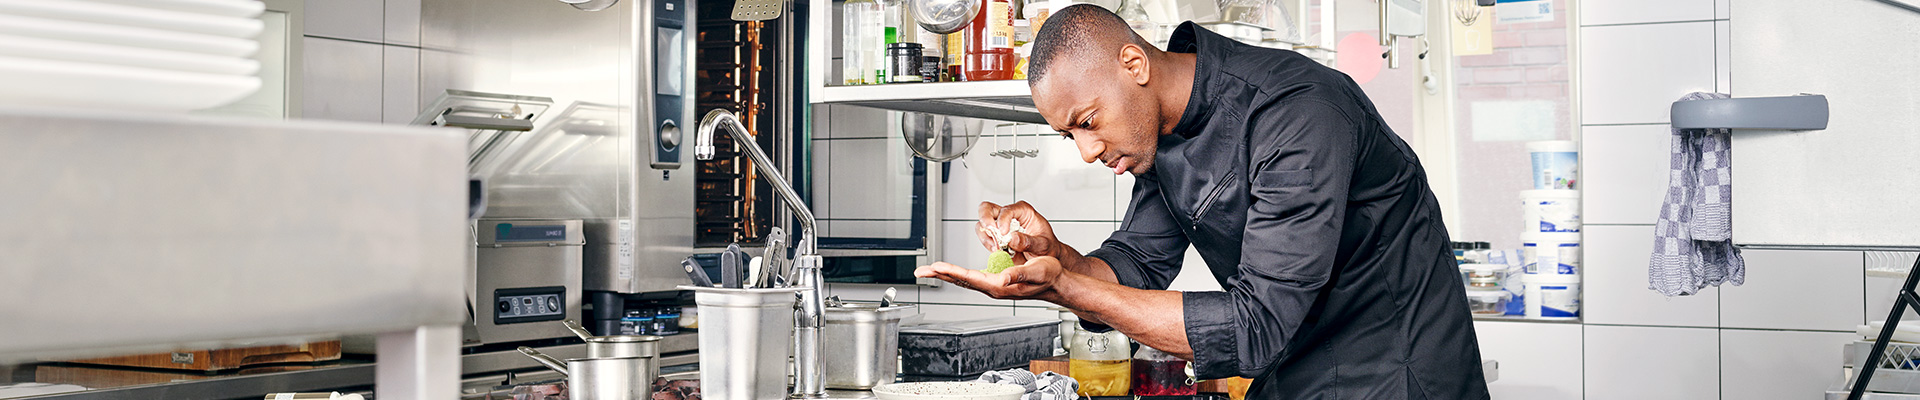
(1552, 296)
(1556, 164)
(1551, 253)
(1550, 210)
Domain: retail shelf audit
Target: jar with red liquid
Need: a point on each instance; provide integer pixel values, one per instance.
(1156, 373)
(989, 43)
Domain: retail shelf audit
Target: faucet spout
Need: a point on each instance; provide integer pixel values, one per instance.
(809, 381)
(703, 150)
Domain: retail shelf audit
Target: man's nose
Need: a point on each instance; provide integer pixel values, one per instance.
(1090, 149)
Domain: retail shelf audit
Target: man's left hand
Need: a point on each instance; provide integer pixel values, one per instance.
(1034, 280)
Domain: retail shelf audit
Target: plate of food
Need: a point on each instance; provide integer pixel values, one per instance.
(948, 391)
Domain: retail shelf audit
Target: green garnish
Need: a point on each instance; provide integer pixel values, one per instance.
(999, 261)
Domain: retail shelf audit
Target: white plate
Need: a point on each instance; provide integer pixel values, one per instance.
(61, 50)
(70, 84)
(223, 8)
(948, 391)
(127, 36)
(134, 16)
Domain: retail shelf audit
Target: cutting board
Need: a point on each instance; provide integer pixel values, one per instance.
(225, 359)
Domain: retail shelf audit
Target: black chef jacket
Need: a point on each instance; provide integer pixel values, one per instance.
(1317, 221)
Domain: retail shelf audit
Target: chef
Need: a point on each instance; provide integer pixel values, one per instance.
(1310, 212)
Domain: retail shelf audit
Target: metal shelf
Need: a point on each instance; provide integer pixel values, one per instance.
(1008, 100)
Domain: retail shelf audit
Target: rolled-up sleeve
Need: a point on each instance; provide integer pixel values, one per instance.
(1302, 156)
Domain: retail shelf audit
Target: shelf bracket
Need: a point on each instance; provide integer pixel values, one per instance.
(1803, 112)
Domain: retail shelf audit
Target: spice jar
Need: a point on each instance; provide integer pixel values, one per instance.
(903, 62)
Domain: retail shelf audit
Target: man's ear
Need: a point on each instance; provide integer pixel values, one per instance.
(1133, 60)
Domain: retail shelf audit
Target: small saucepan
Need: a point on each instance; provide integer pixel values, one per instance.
(614, 378)
(615, 345)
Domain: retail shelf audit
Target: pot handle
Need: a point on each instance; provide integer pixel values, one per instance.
(548, 361)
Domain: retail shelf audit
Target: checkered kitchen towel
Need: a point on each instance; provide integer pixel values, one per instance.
(1693, 240)
(1045, 386)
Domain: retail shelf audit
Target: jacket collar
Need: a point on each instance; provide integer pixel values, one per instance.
(1207, 48)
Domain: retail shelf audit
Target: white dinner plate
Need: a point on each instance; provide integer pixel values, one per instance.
(127, 36)
(70, 84)
(61, 50)
(223, 8)
(948, 391)
(114, 14)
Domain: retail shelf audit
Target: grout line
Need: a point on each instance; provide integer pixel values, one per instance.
(1721, 328)
(1653, 23)
(362, 41)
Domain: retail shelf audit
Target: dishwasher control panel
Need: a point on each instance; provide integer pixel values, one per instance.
(517, 305)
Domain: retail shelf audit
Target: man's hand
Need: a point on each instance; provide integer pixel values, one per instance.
(1031, 281)
(1036, 240)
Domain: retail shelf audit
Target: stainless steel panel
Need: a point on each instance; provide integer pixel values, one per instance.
(591, 159)
(222, 231)
(340, 80)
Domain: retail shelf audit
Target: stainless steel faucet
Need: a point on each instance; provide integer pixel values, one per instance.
(811, 379)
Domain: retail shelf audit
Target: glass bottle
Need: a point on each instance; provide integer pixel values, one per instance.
(1136, 17)
(1101, 362)
(989, 41)
(861, 44)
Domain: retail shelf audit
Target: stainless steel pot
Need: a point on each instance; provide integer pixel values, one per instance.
(617, 378)
(863, 344)
(615, 346)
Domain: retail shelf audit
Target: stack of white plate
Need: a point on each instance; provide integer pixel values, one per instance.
(154, 55)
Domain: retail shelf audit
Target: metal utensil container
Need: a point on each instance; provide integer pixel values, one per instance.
(863, 344)
(746, 336)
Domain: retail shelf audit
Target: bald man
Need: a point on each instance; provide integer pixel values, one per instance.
(1309, 211)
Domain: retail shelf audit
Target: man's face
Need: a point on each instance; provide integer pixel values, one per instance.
(1110, 118)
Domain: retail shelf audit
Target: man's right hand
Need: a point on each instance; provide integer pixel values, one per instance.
(1035, 240)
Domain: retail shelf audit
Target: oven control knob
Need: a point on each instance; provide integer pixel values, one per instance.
(669, 135)
(553, 304)
(506, 306)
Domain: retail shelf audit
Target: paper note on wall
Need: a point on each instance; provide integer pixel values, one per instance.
(1518, 11)
(1472, 30)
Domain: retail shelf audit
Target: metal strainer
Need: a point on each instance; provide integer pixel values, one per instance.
(939, 138)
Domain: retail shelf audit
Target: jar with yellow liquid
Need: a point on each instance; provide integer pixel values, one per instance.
(1102, 362)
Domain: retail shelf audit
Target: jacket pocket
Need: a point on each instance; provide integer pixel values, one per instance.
(1285, 179)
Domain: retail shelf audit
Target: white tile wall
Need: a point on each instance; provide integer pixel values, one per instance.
(400, 83)
(872, 176)
(402, 22)
(1723, 55)
(1612, 12)
(1812, 290)
(1122, 195)
(1615, 284)
(856, 122)
(348, 19)
(1625, 173)
(1648, 363)
(1779, 365)
(1537, 361)
(975, 178)
(1083, 236)
(1633, 73)
(1195, 275)
(1059, 185)
(341, 80)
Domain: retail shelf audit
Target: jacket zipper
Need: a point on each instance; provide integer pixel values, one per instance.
(1194, 220)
